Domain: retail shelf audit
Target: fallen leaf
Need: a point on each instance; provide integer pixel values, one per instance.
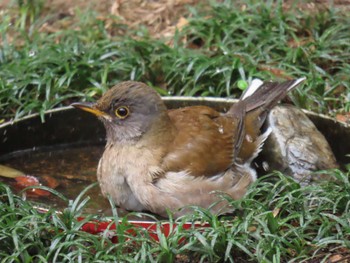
(275, 71)
(345, 117)
(28, 180)
(336, 258)
(50, 181)
(252, 228)
(181, 23)
(115, 8)
(276, 211)
(9, 172)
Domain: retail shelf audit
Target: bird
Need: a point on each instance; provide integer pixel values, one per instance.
(169, 160)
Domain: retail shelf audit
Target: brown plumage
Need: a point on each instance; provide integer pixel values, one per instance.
(204, 137)
(157, 159)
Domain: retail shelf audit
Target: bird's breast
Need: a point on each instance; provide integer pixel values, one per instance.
(120, 168)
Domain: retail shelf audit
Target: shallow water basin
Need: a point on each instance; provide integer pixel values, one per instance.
(68, 145)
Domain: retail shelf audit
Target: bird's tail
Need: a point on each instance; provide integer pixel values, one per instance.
(267, 94)
(251, 110)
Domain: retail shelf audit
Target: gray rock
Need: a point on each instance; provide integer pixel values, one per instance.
(295, 146)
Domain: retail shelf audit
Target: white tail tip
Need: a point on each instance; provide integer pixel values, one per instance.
(257, 83)
(254, 85)
(297, 82)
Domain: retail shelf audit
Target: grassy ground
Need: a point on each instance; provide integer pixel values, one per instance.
(46, 63)
(51, 59)
(277, 221)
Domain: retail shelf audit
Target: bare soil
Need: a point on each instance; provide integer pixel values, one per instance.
(160, 17)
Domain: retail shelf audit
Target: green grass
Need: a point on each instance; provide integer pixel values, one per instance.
(277, 221)
(41, 70)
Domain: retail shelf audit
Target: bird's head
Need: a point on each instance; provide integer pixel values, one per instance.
(128, 110)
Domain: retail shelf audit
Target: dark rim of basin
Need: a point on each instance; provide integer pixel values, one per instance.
(66, 126)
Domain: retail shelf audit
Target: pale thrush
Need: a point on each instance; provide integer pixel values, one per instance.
(157, 159)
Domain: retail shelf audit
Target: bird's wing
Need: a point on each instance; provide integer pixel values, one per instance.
(203, 143)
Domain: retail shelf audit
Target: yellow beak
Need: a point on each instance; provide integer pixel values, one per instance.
(89, 107)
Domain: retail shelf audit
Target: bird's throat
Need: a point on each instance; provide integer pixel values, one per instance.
(159, 132)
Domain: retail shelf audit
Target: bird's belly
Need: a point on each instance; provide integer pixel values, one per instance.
(200, 191)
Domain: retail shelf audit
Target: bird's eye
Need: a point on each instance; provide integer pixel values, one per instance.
(122, 112)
